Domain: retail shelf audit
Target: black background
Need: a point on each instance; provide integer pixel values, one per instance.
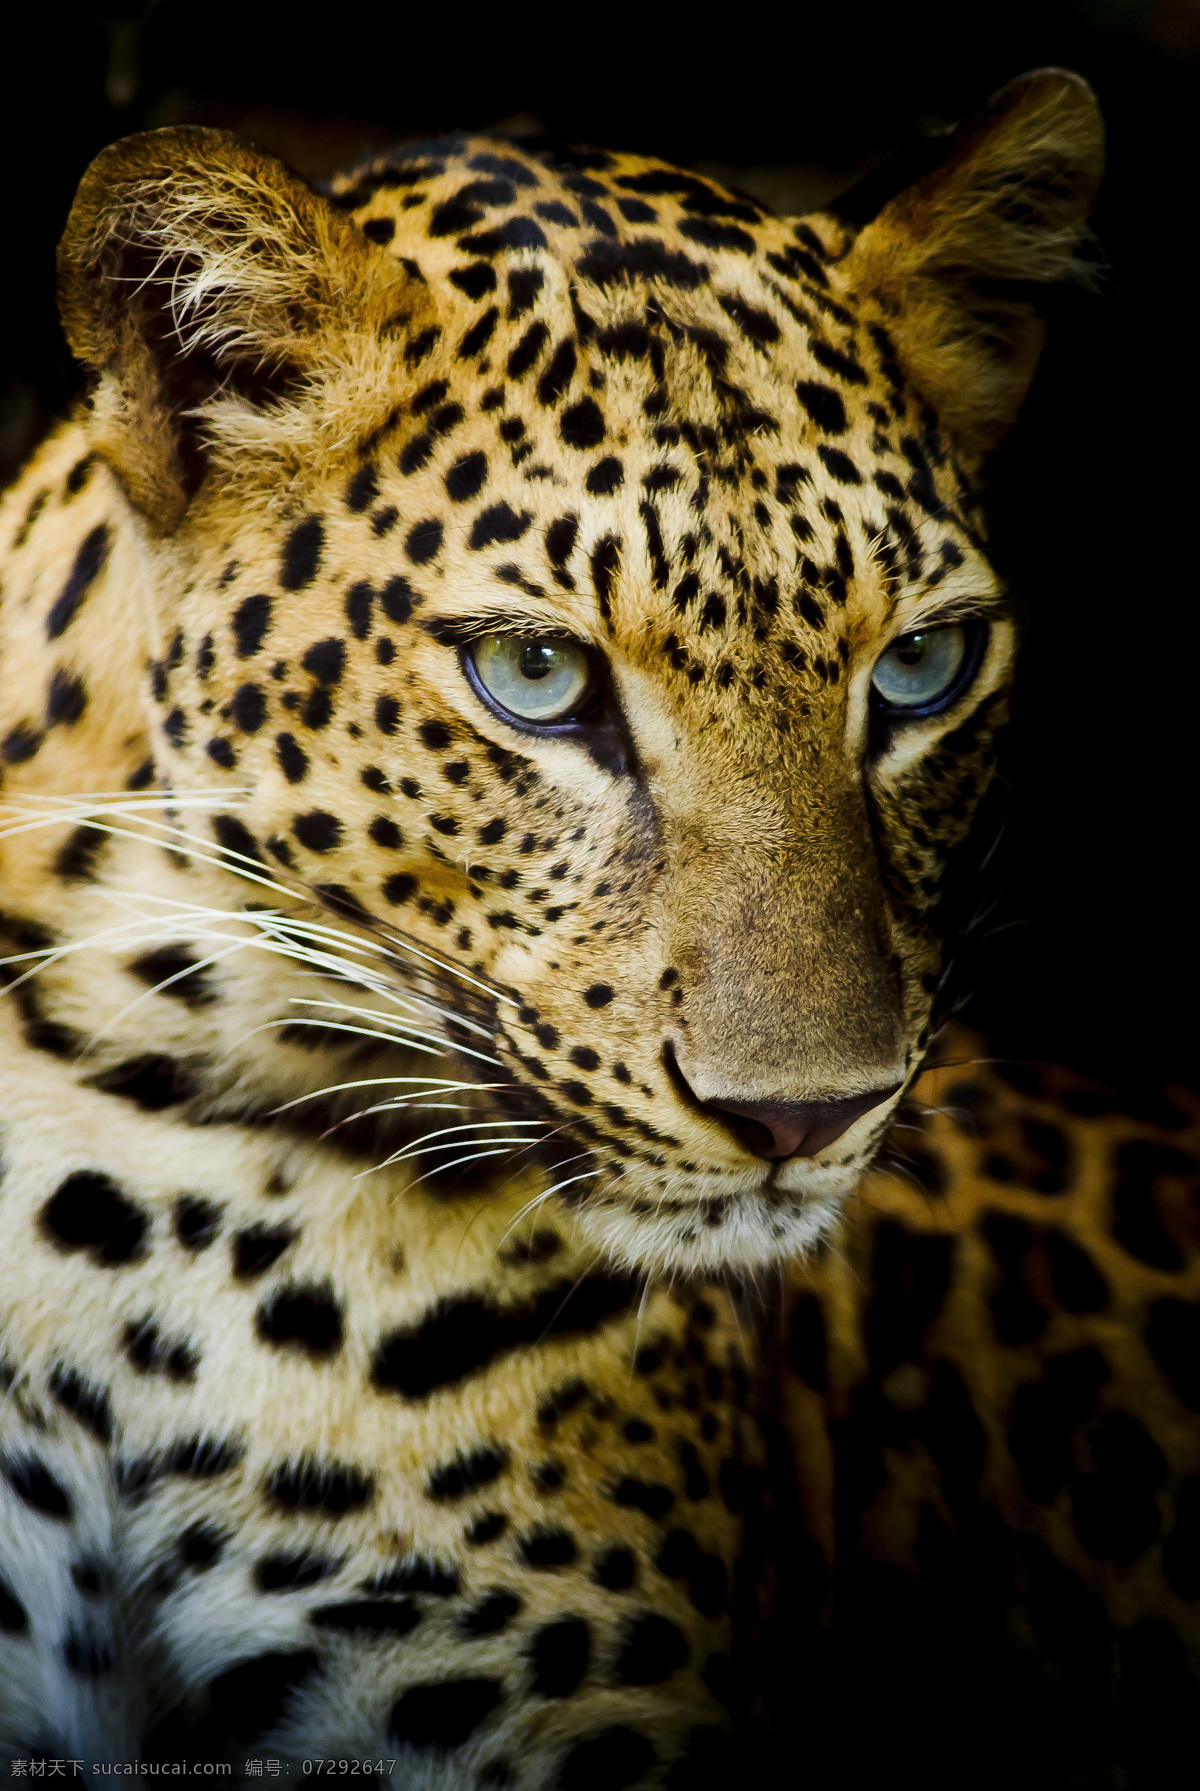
(1089, 952)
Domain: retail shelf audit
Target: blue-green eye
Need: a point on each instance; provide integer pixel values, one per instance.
(540, 679)
(922, 670)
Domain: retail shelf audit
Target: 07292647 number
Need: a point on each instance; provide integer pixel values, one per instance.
(349, 1768)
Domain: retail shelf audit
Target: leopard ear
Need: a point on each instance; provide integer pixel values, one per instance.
(207, 288)
(954, 261)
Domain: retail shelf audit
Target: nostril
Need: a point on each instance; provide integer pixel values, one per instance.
(758, 1139)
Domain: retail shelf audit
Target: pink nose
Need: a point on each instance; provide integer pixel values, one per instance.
(775, 1129)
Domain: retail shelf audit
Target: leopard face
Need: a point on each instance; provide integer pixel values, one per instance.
(577, 574)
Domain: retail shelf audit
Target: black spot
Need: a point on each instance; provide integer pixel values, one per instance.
(476, 279)
(86, 1402)
(235, 837)
(251, 620)
(385, 832)
(911, 1276)
(653, 1649)
(1137, 1222)
(1077, 1282)
(606, 476)
(249, 1700)
(202, 1458)
(558, 1654)
(20, 744)
(89, 1212)
(291, 1571)
(201, 1545)
(362, 1616)
(1173, 1339)
(1045, 1412)
(152, 1081)
(466, 477)
(301, 555)
(843, 365)
(363, 488)
(318, 830)
(524, 284)
(171, 970)
(604, 561)
(445, 1714)
(558, 374)
(66, 699)
(249, 708)
(416, 453)
(457, 1478)
(398, 599)
(387, 714)
(416, 1575)
(317, 708)
(89, 561)
(36, 1486)
(527, 350)
(76, 860)
(582, 424)
(616, 1570)
(839, 464)
(460, 1337)
(479, 334)
(423, 540)
(1116, 1514)
(256, 1249)
(652, 1498)
(326, 660)
(307, 1316)
(322, 1486)
(823, 405)
(560, 540)
(498, 523)
(599, 995)
(643, 257)
(491, 1614)
(611, 1761)
(548, 1548)
(1181, 1552)
(293, 760)
(400, 888)
(487, 1528)
(175, 727)
(196, 1222)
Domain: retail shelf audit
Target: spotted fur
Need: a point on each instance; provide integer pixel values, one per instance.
(374, 1067)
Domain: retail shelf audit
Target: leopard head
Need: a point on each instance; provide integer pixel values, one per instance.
(579, 573)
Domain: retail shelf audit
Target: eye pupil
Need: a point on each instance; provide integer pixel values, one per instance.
(536, 660)
(912, 650)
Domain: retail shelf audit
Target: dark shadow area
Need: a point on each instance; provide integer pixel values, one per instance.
(1089, 952)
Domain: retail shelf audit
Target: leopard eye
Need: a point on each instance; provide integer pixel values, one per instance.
(920, 672)
(536, 679)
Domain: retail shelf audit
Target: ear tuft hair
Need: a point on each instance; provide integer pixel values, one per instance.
(197, 273)
(955, 260)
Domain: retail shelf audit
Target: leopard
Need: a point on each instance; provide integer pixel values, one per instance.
(499, 671)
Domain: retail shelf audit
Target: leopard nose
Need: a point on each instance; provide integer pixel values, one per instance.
(775, 1129)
